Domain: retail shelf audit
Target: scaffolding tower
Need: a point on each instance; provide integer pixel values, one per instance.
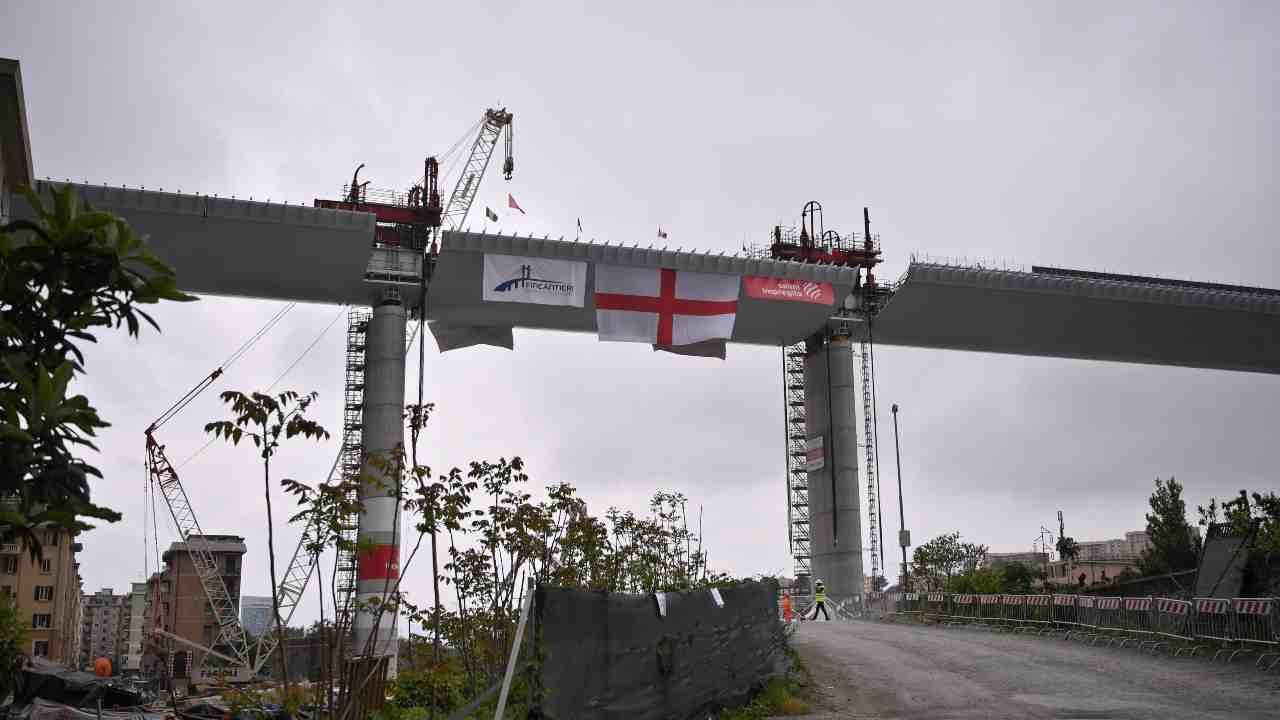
(351, 461)
(797, 471)
(869, 446)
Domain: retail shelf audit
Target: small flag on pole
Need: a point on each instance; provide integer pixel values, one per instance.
(662, 235)
(511, 203)
(491, 214)
(579, 224)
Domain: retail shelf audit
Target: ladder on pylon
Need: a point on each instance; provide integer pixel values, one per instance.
(869, 446)
(797, 471)
(352, 459)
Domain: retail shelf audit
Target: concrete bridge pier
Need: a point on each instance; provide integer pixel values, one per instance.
(378, 567)
(835, 520)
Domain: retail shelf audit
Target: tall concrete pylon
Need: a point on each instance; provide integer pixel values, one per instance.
(835, 522)
(379, 567)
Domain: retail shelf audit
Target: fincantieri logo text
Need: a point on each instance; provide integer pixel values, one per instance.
(527, 281)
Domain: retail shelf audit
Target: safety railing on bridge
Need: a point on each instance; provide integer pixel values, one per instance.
(1219, 628)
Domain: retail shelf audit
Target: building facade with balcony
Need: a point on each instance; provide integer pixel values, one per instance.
(46, 594)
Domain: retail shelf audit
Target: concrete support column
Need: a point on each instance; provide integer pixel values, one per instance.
(835, 522)
(379, 566)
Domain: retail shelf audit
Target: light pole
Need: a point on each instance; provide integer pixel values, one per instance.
(904, 535)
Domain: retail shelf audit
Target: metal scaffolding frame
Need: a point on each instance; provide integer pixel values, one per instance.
(351, 461)
(797, 472)
(869, 446)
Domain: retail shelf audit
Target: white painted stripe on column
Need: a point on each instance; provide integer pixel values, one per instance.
(379, 514)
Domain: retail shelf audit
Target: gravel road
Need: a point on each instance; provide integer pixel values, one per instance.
(880, 671)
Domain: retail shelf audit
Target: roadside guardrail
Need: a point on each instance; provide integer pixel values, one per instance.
(1219, 628)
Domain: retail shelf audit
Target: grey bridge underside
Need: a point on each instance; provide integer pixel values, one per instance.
(1028, 313)
(265, 250)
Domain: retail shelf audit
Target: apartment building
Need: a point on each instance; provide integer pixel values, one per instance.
(136, 633)
(1030, 559)
(1129, 548)
(104, 628)
(176, 601)
(46, 594)
(255, 614)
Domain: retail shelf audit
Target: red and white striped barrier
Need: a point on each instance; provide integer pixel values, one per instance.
(1172, 607)
(1251, 606)
(1212, 605)
(1137, 603)
(1108, 603)
(1038, 600)
(1064, 600)
(964, 599)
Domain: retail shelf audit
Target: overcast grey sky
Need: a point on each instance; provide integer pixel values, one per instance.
(1136, 139)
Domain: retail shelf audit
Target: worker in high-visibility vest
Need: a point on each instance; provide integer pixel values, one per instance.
(786, 607)
(820, 600)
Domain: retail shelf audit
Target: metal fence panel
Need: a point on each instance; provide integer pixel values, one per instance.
(1134, 618)
(1106, 617)
(1064, 613)
(1171, 621)
(1255, 627)
(1038, 614)
(935, 604)
(1013, 611)
(964, 609)
(989, 609)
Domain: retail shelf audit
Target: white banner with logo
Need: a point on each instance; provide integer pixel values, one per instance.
(542, 281)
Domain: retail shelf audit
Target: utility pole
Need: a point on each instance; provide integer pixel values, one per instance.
(904, 535)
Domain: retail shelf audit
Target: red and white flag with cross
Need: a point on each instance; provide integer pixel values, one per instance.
(664, 307)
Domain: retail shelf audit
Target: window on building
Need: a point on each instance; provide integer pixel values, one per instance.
(44, 593)
(233, 565)
(9, 564)
(40, 648)
(46, 566)
(51, 538)
(41, 621)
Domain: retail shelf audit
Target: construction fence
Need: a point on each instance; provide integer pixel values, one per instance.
(1220, 628)
(662, 655)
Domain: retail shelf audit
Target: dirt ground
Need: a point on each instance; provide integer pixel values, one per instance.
(880, 671)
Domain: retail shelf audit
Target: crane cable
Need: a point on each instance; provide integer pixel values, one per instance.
(148, 494)
(199, 387)
(275, 382)
(447, 154)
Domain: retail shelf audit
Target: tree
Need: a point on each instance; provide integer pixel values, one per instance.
(942, 558)
(62, 278)
(13, 645)
(1173, 546)
(1068, 549)
(264, 418)
(1018, 578)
